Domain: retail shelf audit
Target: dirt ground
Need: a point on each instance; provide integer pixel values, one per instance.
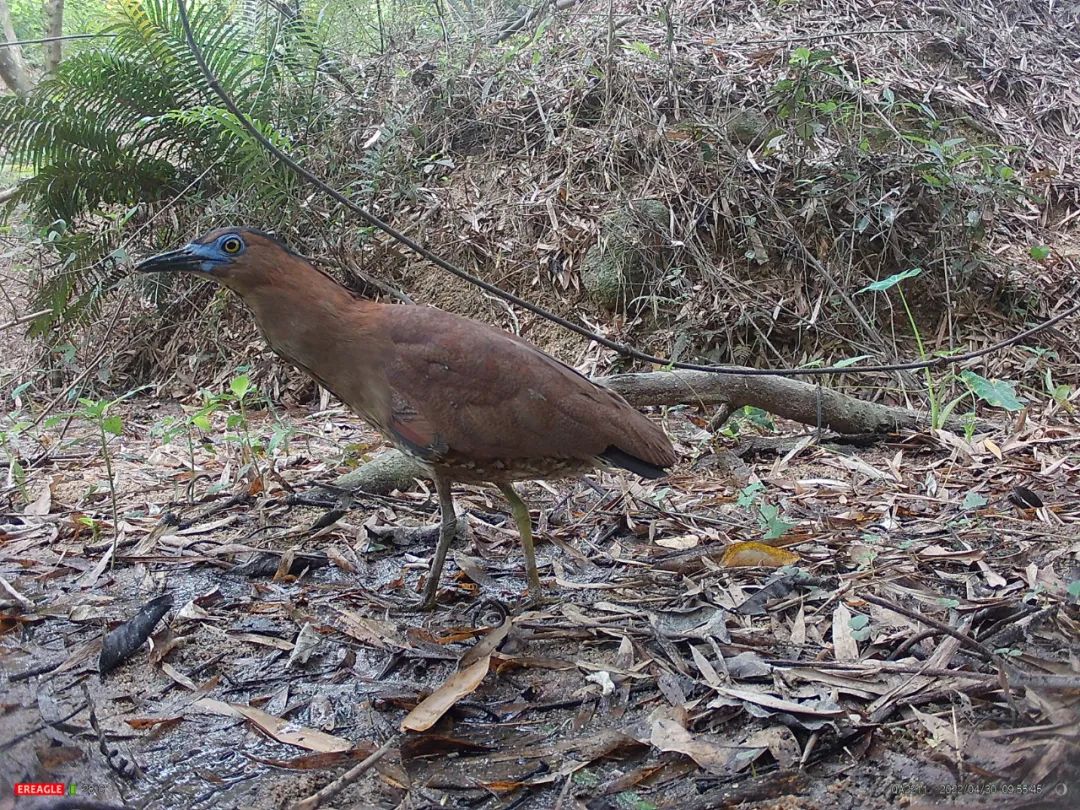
(920, 650)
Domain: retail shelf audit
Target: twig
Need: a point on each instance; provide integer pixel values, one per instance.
(43, 40)
(18, 597)
(346, 779)
(23, 318)
(984, 651)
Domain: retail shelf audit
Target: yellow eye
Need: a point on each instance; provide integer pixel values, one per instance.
(232, 245)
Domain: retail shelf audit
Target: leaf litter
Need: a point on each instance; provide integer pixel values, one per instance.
(905, 620)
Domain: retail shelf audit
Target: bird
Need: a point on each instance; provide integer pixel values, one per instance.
(470, 402)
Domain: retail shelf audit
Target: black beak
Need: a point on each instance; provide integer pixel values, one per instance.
(183, 260)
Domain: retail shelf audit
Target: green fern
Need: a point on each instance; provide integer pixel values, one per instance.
(132, 121)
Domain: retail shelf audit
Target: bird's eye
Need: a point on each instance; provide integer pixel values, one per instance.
(232, 245)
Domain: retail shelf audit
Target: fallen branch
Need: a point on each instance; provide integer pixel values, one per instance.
(334, 788)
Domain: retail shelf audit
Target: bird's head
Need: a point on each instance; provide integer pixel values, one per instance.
(238, 257)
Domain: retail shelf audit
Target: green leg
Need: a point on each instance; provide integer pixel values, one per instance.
(524, 525)
(446, 534)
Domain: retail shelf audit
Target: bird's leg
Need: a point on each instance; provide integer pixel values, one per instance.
(524, 526)
(446, 534)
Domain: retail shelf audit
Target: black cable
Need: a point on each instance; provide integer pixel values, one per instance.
(621, 348)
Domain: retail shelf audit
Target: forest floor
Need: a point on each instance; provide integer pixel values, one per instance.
(920, 650)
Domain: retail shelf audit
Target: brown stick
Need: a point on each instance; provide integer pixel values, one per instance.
(334, 788)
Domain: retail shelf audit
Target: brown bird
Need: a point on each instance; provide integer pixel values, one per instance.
(471, 403)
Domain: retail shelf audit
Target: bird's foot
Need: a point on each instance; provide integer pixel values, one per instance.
(534, 601)
(414, 608)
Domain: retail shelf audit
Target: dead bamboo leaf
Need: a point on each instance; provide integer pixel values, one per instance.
(462, 683)
(779, 704)
(281, 730)
(488, 644)
(680, 542)
(264, 640)
(42, 504)
(845, 647)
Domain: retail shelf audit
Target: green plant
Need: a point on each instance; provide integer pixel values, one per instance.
(771, 522)
(93, 525)
(241, 392)
(128, 120)
(96, 412)
(860, 627)
(937, 419)
(797, 97)
(768, 515)
(1060, 393)
(749, 494)
(997, 393)
(973, 500)
(16, 474)
(747, 415)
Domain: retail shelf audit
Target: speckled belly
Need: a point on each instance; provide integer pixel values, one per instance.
(501, 471)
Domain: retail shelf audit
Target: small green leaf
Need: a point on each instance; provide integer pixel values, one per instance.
(240, 386)
(850, 361)
(233, 421)
(860, 627)
(1039, 252)
(630, 800)
(113, 425)
(643, 49)
(891, 281)
(774, 526)
(749, 494)
(973, 500)
(998, 393)
(201, 421)
(586, 778)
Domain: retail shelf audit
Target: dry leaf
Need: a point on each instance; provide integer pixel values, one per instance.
(461, 684)
(779, 704)
(139, 723)
(667, 735)
(42, 504)
(680, 542)
(741, 555)
(602, 678)
(845, 647)
(307, 641)
(281, 730)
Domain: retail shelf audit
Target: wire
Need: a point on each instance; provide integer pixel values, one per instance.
(622, 348)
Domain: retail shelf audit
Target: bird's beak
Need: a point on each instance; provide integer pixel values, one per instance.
(188, 259)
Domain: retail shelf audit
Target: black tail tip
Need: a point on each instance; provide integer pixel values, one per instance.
(620, 458)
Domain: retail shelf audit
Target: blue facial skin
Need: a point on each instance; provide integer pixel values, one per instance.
(195, 257)
(211, 255)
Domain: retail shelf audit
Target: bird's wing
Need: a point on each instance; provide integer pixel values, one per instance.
(459, 385)
(414, 430)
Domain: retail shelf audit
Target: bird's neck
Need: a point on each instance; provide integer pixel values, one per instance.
(314, 322)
